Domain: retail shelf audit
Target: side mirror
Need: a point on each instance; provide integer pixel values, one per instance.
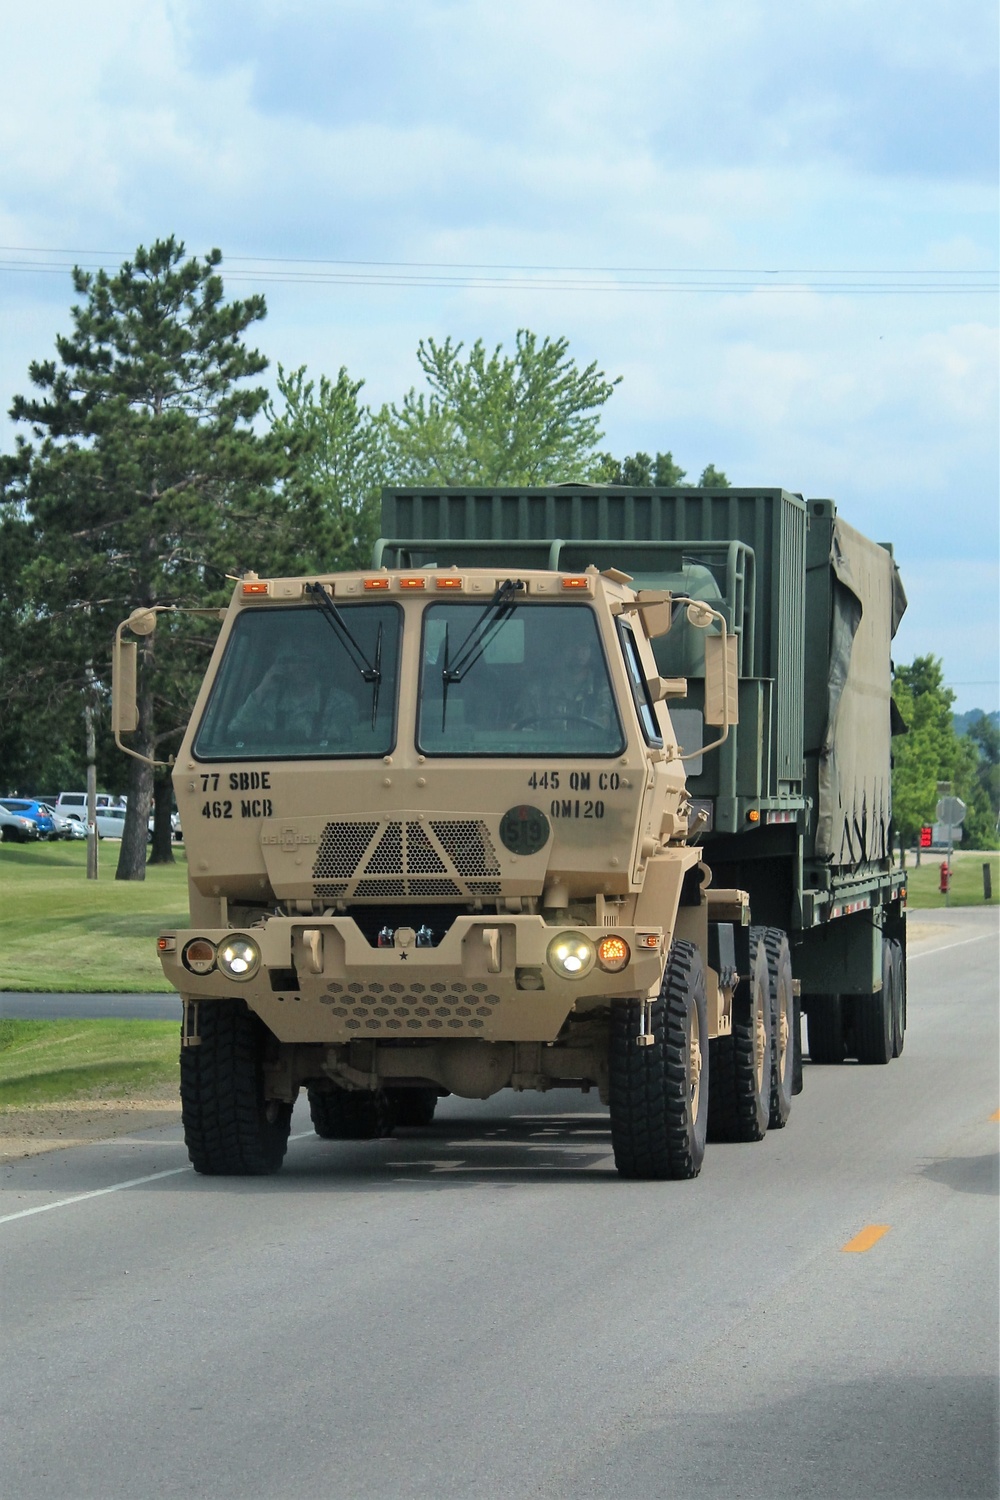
(655, 611)
(722, 698)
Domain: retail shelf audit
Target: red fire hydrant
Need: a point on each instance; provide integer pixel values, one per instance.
(945, 883)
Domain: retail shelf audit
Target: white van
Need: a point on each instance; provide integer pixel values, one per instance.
(74, 804)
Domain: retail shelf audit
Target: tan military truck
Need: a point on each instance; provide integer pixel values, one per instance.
(440, 840)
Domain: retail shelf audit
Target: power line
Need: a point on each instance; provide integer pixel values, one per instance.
(500, 266)
(460, 275)
(407, 275)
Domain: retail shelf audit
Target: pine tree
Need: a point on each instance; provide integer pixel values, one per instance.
(143, 483)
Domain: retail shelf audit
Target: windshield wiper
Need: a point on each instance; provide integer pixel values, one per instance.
(369, 671)
(485, 629)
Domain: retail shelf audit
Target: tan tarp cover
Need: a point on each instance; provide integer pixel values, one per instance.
(854, 765)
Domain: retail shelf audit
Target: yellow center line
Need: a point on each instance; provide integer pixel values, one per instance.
(868, 1237)
(995, 1115)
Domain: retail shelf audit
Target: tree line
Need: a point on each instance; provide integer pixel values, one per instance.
(151, 467)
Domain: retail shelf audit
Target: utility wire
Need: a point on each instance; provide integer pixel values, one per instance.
(463, 275)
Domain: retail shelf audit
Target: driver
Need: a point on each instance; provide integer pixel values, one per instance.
(296, 700)
(572, 684)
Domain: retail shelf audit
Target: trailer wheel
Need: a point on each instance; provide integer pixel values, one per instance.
(230, 1128)
(659, 1094)
(413, 1106)
(874, 1017)
(899, 998)
(739, 1105)
(826, 1028)
(351, 1114)
(779, 971)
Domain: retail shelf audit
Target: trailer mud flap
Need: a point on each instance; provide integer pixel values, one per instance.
(844, 957)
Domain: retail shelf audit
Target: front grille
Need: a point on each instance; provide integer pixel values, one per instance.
(379, 861)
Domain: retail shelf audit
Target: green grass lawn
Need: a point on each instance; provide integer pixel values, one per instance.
(966, 880)
(50, 1062)
(61, 931)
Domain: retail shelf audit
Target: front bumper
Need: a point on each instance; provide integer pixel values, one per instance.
(319, 980)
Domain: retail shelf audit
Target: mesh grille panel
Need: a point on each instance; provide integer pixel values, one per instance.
(421, 856)
(388, 856)
(341, 848)
(468, 846)
(378, 860)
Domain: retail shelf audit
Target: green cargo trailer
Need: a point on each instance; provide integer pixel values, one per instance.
(795, 806)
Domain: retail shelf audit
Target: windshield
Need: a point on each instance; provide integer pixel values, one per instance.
(535, 683)
(288, 687)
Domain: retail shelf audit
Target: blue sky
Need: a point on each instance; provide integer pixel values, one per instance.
(812, 185)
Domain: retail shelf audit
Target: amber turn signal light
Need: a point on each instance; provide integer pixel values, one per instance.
(613, 953)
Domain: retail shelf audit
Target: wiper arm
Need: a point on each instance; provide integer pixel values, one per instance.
(494, 616)
(369, 671)
(490, 622)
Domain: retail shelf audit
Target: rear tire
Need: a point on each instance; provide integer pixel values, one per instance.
(826, 1029)
(351, 1115)
(873, 1017)
(413, 1107)
(659, 1094)
(740, 1100)
(779, 970)
(230, 1128)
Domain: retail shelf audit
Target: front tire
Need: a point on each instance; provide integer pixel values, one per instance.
(740, 1101)
(659, 1093)
(230, 1128)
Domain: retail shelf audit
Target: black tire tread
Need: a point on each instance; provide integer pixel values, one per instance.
(351, 1115)
(736, 1112)
(779, 957)
(652, 1133)
(226, 1129)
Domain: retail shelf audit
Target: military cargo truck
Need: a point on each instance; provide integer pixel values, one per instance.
(575, 787)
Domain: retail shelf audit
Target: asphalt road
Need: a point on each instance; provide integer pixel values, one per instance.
(21, 1005)
(482, 1309)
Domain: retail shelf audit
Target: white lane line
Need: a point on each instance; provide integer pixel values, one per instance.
(117, 1187)
(931, 952)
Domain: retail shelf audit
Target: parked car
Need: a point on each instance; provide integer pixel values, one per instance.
(40, 815)
(110, 822)
(17, 827)
(65, 828)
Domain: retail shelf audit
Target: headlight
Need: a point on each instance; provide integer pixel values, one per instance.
(613, 953)
(571, 955)
(238, 958)
(199, 956)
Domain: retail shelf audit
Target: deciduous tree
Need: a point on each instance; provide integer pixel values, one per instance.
(491, 419)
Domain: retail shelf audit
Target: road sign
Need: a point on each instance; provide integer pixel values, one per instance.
(950, 810)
